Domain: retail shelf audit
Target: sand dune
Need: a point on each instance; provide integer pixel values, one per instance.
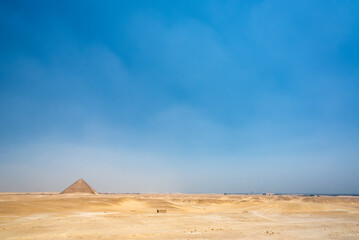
(133, 216)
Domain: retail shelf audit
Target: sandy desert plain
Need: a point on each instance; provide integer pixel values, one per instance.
(188, 216)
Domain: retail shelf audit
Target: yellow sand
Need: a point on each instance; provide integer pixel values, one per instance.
(133, 216)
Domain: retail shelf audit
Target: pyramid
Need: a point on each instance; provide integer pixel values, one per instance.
(80, 186)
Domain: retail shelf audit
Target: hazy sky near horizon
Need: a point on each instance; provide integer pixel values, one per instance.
(180, 96)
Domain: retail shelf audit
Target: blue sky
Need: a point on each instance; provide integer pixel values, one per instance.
(180, 96)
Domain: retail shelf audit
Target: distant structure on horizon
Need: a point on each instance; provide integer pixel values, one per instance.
(80, 186)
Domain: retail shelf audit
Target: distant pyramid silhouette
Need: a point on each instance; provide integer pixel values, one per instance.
(80, 186)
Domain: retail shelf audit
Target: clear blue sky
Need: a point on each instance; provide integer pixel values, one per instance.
(180, 96)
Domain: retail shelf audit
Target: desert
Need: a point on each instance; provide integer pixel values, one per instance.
(207, 120)
(186, 216)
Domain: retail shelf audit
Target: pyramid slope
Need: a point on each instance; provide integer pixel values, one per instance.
(80, 186)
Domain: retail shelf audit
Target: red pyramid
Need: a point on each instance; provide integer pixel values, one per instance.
(80, 186)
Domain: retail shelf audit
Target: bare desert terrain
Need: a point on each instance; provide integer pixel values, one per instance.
(202, 216)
